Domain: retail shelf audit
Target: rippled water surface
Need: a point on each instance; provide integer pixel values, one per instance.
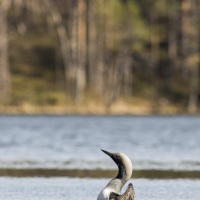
(88, 189)
(74, 141)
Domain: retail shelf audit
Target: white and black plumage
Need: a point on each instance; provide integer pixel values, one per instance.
(113, 189)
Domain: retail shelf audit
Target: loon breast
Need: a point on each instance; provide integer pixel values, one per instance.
(104, 194)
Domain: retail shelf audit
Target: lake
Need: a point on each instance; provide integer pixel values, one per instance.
(74, 142)
(167, 147)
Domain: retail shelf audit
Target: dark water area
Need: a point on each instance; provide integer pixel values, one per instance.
(154, 143)
(98, 173)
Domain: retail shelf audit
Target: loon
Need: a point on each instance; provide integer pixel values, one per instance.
(113, 189)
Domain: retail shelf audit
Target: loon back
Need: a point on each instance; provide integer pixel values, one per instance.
(129, 194)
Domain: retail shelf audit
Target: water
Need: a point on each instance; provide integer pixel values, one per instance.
(88, 189)
(74, 142)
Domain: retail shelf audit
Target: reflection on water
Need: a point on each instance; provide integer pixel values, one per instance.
(73, 142)
(88, 189)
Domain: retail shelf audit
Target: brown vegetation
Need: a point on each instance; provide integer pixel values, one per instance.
(98, 56)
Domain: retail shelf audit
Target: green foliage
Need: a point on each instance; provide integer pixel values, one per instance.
(129, 25)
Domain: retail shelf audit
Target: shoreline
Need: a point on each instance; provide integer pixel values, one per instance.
(120, 108)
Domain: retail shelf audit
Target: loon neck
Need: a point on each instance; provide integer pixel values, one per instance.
(115, 185)
(122, 174)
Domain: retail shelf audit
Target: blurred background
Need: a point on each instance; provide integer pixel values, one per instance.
(60, 59)
(98, 56)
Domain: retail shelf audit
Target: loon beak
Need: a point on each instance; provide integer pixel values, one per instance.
(109, 154)
(106, 152)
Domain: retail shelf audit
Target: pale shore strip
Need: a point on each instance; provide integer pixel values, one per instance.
(118, 108)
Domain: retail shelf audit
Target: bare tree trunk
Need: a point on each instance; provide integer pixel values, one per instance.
(87, 61)
(172, 40)
(74, 59)
(111, 65)
(5, 77)
(127, 76)
(91, 44)
(154, 39)
(190, 49)
(194, 89)
(98, 47)
(194, 56)
(60, 28)
(172, 44)
(78, 49)
(118, 81)
(185, 35)
(82, 28)
(59, 70)
(69, 49)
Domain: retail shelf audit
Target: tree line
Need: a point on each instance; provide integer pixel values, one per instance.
(114, 49)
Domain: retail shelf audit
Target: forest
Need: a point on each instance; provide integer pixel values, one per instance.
(99, 56)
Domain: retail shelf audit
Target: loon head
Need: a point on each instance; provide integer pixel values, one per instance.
(124, 165)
